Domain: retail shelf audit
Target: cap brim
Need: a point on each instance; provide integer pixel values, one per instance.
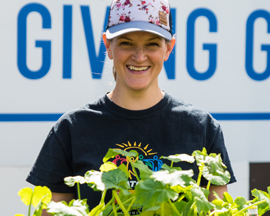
(135, 26)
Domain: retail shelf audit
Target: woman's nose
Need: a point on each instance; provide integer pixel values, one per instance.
(139, 55)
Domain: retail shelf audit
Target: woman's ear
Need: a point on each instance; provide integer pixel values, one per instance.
(107, 45)
(170, 46)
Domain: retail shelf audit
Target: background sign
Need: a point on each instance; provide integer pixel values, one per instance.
(53, 60)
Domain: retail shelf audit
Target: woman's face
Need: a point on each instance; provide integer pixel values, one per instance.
(138, 59)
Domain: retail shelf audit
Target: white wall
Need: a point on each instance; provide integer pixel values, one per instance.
(229, 90)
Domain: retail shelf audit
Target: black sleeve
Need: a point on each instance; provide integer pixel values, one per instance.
(217, 146)
(52, 166)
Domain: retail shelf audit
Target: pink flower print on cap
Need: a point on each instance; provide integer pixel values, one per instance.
(127, 19)
(127, 2)
(119, 5)
(122, 18)
(139, 15)
(165, 9)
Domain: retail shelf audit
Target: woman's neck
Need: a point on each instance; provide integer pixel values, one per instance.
(136, 100)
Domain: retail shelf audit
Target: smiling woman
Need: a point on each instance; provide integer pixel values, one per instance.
(135, 115)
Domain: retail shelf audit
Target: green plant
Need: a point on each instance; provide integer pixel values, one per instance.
(38, 198)
(170, 191)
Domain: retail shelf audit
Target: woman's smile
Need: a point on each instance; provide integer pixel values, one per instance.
(138, 68)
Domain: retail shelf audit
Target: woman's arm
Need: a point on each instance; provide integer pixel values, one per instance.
(57, 197)
(219, 190)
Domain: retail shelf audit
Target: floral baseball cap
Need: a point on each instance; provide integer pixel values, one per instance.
(152, 16)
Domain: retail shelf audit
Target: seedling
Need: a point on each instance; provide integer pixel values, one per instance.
(170, 191)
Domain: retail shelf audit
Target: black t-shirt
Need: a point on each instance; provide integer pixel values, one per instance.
(80, 139)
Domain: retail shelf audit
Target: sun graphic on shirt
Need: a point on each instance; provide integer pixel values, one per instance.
(143, 152)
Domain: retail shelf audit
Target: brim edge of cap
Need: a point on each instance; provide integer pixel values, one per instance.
(135, 26)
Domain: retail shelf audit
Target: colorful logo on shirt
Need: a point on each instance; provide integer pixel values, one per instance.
(146, 154)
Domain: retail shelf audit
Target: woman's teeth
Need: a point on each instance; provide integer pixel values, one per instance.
(137, 68)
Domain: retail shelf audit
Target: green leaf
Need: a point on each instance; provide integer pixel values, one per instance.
(147, 189)
(113, 152)
(93, 179)
(192, 211)
(201, 202)
(200, 156)
(182, 178)
(227, 198)
(123, 167)
(72, 180)
(41, 194)
(180, 206)
(241, 203)
(188, 210)
(145, 172)
(215, 171)
(261, 195)
(222, 208)
(107, 167)
(203, 205)
(180, 157)
(39, 208)
(37, 195)
(165, 210)
(75, 208)
(218, 203)
(171, 169)
(150, 211)
(116, 179)
(26, 194)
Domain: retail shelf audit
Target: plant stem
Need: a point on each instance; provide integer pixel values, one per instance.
(162, 209)
(208, 185)
(174, 208)
(108, 204)
(128, 200)
(139, 211)
(79, 191)
(181, 197)
(130, 204)
(200, 175)
(120, 203)
(213, 212)
(171, 164)
(114, 209)
(29, 209)
(244, 209)
(103, 197)
(133, 168)
(192, 206)
(117, 207)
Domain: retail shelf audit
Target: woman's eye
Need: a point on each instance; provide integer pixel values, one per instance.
(153, 44)
(125, 43)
